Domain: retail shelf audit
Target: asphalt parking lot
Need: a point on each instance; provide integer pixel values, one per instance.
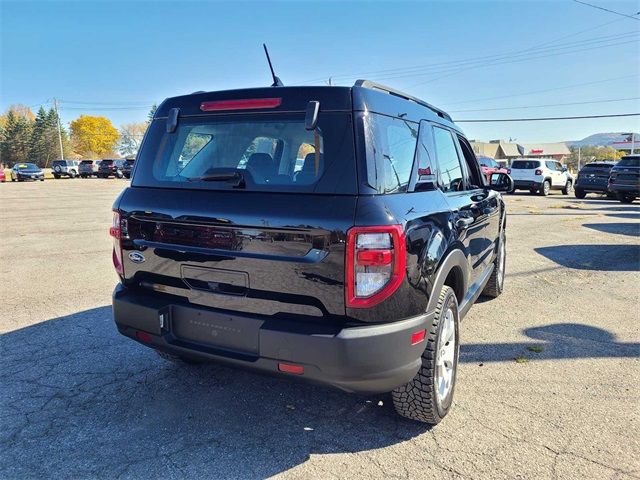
(548, 386)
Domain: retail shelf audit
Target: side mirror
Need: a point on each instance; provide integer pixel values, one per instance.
(501, 182)
(311, 115)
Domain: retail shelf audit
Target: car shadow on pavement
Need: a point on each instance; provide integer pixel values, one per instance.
(553, 342)
(607, 258)
(79, 400)
(630, 229)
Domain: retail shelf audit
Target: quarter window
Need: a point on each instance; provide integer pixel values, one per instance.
(391, 143)
(449, 166)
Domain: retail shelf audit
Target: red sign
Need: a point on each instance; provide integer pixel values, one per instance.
(537, 151)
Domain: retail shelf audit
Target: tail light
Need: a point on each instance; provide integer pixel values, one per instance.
(375, 264)
(538, 172)
(116, 232)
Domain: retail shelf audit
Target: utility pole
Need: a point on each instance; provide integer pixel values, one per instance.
(579, 148)
(633, 142)
(55, 106)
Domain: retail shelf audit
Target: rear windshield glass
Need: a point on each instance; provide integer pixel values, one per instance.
(106, 162)
(86, 162)
(525, 164)
(629, 162)
(596, 166)
(248, 152)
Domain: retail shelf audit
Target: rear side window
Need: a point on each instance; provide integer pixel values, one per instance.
(551, 165)
(449, 165)
(629, 162)
(525, 164)
(266, 152)
(391, 147)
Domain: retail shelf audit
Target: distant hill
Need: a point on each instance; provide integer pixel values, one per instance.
(601, 139)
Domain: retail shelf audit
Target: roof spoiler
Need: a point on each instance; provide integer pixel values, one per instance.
(398, 93)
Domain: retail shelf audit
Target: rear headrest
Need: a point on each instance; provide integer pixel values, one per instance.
(309, 165)
(262, 163)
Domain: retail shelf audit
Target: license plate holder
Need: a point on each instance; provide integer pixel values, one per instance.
(216, 330)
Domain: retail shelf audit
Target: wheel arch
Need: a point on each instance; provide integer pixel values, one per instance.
(453, 271)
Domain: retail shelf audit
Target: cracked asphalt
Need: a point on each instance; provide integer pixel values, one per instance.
(77, 400)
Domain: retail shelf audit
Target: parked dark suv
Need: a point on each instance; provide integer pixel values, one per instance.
(593, 178)
(624, 181)
(108, 168)
(127, 167)
(335, 234)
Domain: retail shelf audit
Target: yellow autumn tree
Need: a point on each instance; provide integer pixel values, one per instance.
(93, 136)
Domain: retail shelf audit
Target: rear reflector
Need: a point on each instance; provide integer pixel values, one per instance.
(418, 337)
(246, 104)
(143, 337)
(288, 368)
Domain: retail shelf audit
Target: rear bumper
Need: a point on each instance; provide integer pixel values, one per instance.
(602, 187)
(526, 184)
(626, 189)
(363, 359)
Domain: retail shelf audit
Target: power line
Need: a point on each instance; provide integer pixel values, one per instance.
(475, 100)
(547, 105)
(539, 119)
(396, 71)
(79, 102)
(610, 11)
(466, 69)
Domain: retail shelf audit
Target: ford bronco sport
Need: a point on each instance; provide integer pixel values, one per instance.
(334, 234)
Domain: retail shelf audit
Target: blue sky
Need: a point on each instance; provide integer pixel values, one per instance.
(116, 59)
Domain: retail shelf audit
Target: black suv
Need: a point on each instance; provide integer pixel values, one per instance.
(127, 167)
(593, 178)
(624, 181)
(108, 168)
(335, 234)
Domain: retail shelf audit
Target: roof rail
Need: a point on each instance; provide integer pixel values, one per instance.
(398, 93)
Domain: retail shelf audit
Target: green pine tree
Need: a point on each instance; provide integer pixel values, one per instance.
(152, 112)
(15, 144)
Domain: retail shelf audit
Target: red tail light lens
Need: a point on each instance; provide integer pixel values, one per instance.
(246, 104)
(375, 264)
(116, 232)
(538, 172)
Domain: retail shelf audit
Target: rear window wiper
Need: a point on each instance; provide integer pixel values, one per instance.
(236, 179)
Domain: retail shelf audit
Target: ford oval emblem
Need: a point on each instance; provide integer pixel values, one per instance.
(136, 257)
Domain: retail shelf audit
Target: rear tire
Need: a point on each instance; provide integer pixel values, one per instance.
(579, 193)
(546, 188)
(428, 397)
(626, 198)
(178, 358)
(56, 176)
(533, 191)
(568, 188)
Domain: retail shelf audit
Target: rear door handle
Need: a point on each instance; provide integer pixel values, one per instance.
(464, 222)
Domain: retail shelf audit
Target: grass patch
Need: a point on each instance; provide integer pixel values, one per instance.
(535, 348)
(521, 359)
